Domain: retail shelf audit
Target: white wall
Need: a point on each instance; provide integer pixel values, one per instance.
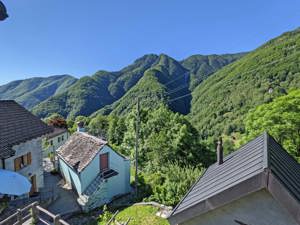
(56, 144)
(259, 208)
(36, 167)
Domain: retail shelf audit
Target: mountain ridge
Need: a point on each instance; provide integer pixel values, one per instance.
(89, 94)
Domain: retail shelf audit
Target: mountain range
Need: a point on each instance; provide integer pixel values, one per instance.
(214, 91)
(106, 92)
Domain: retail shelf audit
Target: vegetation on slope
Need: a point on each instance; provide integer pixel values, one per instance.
(91, 93)
(221, 102)
(202, 66)
(281, 118)
(96, 92)
(139, 215)
(30, 92)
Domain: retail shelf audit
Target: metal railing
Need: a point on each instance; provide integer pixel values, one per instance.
(33, 212)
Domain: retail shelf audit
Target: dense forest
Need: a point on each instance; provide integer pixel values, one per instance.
(221, 102)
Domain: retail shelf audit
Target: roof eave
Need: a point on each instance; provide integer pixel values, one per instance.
(264, 180)
(238, 191)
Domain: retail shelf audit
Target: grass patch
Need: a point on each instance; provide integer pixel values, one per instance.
(140, 215)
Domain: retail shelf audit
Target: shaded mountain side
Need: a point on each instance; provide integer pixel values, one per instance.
(221, 102)
(202, 66)
(155, 87)
(30, 92)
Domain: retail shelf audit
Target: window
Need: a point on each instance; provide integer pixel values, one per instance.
(62, 138)
(51, 142)
(58, 139)
(22, 161)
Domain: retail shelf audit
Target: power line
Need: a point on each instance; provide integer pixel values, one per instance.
(170, 82)
(177, 89)
(186, 85)
(180, 97)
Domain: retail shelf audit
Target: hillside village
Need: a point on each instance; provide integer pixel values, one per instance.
(206, 140)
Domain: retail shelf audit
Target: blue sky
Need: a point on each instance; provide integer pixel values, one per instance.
(49, 37)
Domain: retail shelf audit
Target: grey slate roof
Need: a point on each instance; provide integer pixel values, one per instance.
(80, 149)
(250, 160)
(18, 125)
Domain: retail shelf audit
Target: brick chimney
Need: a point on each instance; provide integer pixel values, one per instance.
(220, 151)
(80, 126)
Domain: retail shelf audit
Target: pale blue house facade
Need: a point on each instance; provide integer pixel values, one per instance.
(94, 170)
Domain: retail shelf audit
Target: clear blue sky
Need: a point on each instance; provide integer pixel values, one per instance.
(48, 37)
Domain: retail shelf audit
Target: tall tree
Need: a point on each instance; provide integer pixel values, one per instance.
(281, 118)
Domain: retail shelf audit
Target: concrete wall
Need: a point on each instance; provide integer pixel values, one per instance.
(36, 167)
(70, 176)
(259, 208)
(56, 144)
(118, 184)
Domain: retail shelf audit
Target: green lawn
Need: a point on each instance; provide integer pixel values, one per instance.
(140, 215)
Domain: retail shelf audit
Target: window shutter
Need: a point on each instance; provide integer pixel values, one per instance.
(29, 158)
(17, 163)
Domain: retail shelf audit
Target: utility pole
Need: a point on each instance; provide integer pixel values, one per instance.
(137, 130)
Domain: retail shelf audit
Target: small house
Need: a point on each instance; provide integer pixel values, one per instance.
(259, 184)
(21, 136)
(93, 169)
(54, 140)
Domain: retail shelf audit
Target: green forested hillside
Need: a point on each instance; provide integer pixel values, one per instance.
(111, 91)
(221, 102)
(91, 93)
(201, 66)
(155, 87)
(30, 92)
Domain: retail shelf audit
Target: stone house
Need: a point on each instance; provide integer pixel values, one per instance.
(259, 184)
(54, 140)
(93, 170)
(21, 136)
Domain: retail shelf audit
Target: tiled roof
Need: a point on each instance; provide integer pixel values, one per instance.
(247, 162)
(80, 149)
(18, 125)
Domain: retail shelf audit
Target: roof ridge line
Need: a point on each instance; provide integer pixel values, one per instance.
(265, 150)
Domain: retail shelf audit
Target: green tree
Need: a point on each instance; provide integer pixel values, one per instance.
(98, 126)
(72, 123)
(165, 136)
(116, 130)
(281, 118)
(170, 184)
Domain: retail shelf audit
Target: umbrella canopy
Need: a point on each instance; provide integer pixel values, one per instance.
(3, 13)
(12, 183)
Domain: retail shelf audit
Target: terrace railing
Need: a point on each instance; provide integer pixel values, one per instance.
(36, 214)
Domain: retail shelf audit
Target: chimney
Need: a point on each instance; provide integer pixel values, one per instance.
(80, 126)
(220, 151)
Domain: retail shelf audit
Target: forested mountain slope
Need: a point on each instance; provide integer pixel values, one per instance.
(163, 81)
(201, 66)
(111, 91)
(89, 94)
(30, 92)
(221, 102)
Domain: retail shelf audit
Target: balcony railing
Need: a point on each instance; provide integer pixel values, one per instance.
(36, 214)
